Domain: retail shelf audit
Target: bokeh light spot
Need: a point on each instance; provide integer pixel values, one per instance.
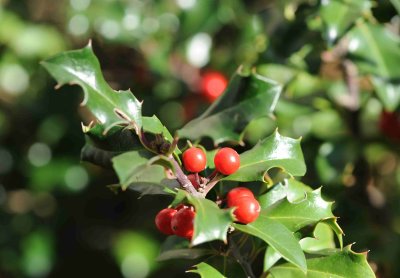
(14, 79)
(76, 178)
(198, 50)
(39, 154)
(78, 25)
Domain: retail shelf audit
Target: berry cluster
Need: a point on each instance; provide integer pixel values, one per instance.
(176, 221)
(227, 160)
(179, 221)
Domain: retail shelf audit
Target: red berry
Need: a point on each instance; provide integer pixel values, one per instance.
(227, 161)
(213, 85)
(193, 180)
(182, 223)
(194, 160)
(163, 220)
(181, 206)
(238, 193)
(247, 209)
(389, 124)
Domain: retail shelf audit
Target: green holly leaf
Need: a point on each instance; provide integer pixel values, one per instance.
(274, 151)
(338, 16)
(100, 148)
(206, 271)
(375, 50)
(323, 239)
(271, 257)
(211, 222)
(295, 216)
(278, 237)
(309, 211)
(136, 171)
(291, 189)
(81, 67)
(247, 97)
(345, 263)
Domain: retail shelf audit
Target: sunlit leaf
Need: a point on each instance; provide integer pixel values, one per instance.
(278, 237)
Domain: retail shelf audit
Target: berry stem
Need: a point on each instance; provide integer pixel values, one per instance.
(211, 184)
(183, 179)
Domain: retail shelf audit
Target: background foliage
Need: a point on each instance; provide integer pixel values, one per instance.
(337, 61)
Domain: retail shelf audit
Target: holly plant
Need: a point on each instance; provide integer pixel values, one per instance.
(236, 210)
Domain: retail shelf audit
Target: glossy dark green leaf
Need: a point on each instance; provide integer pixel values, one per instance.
(137, 171)
(82, 67)
(275, 194)
(278, 237)
(311, 210)
(99, 148)
(338, 16)
(154, 125)
(297, 215)
(291, 189)
(211, 222)
(376, 51)
(345, 264)
(274, 151)
(271, 257)
(206, 271)
(248, 96)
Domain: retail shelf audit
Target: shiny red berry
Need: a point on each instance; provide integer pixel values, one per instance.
(182, 223)
(213, 85)
(163, 220)
(227, 161)
(247, 210)
(193, 180)
(194, 160)
(181, 206)
(237, 193)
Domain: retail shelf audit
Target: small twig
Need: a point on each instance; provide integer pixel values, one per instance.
(351, 78)
(235, 251)
(183, 179)
(210, 185)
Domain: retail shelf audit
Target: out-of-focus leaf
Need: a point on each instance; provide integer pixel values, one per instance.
(82, 67)
(178, 248)
(376, 51)
(211, 222)
(274, 151)
(135, 170)
(187, 254)
(247, 97)
(38, 253)
(137, 252)
(338, 16)
(345, 263)
(396, 4)
(206, 271)
(278, 237)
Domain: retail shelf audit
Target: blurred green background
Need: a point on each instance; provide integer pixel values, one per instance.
(58, 218)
